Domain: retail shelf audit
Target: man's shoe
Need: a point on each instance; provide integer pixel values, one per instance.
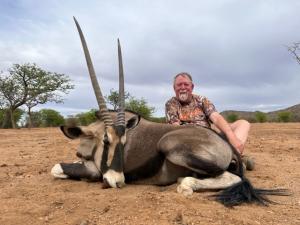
(248, 162)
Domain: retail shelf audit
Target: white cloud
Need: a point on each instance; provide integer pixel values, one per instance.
(235, 50)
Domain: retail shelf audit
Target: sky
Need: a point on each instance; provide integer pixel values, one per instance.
(236, 50)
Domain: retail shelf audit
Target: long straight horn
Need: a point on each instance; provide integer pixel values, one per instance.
(121, 108)
(101, 102)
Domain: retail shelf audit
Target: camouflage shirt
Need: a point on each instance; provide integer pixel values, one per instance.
(196, 112)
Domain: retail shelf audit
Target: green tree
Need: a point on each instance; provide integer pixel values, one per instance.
(71, 121)
(113, 98)
(284, 116)
(87, 117)
(51, 118)
(30, 85)
(232, 117)
(35, 120)
(260, 117)
(140, 106)
(4, 113)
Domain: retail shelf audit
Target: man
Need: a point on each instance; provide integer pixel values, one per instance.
(188, 108)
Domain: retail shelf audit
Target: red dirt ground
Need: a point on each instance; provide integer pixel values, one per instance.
(30, 195)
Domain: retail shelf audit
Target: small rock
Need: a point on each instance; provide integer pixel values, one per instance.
(106, 209)
(19, 173)
(178, 219)
(84, 222)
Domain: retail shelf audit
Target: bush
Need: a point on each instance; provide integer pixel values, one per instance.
(87, 117)
(71, 121)
(140, 107)
(5, 121)
(51, 118)
(284, 116)
(36, 120)
(232, 117)
(260, 117)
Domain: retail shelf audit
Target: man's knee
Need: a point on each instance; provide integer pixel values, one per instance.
(240, 124)
(245, 124)
(241, 129)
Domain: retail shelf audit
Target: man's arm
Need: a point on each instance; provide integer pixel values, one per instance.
(219, 121)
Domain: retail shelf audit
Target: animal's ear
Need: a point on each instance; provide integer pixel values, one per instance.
(133, 122)
(71, 132)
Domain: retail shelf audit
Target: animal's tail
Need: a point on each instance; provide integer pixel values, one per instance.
(244, 192)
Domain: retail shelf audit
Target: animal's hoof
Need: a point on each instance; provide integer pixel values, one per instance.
(185, 190)
(248, 162)
(58, 172)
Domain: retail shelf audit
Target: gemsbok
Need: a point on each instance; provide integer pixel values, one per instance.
(121, 146)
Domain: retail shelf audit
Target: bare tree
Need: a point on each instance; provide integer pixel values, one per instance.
(295, 50)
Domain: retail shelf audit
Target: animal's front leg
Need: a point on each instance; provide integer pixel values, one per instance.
(77, 170)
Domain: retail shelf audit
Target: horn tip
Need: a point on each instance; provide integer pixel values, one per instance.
(76, 22)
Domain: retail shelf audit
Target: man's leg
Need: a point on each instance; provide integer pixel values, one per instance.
(241, 129)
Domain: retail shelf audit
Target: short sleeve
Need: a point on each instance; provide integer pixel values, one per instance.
(171, 110)
(208, 106)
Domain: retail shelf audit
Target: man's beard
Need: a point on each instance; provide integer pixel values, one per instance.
(183, 97)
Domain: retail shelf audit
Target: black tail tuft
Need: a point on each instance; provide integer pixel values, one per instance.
(244, 192)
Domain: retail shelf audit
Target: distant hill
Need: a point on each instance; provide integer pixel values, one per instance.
(293, 111)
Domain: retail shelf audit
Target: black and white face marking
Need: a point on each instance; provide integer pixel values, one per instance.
(114, 141)
(103, 147)
(112, 157)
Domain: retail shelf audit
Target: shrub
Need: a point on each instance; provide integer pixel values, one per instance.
(51, 118)
(87, 117)
(284, 116)
(260, 117)
(232, 117)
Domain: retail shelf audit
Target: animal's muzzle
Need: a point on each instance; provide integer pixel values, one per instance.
(105, 184)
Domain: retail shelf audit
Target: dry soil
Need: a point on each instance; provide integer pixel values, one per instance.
(29, 195)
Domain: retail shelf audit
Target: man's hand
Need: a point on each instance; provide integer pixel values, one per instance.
(237, 144)
(223, 126)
